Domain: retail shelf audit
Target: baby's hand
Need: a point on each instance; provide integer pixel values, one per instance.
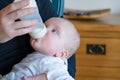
(38, 77)
(27, 78)
(30, 78)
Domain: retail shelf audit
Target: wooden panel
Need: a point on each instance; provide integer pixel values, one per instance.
(98, 61)
(104, 72)
(98, 67)
(92, 25)
(112, 46)
(94, 78)
(99, 34)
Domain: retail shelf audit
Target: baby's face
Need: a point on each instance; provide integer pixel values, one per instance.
(52, 42)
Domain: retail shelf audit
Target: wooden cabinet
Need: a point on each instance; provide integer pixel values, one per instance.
(98, 57)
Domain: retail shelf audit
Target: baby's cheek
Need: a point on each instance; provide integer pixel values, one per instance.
(32, 43)
(35, 44)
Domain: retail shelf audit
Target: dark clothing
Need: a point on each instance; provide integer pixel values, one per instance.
(16, 49)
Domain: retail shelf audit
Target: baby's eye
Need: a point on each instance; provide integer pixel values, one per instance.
(53, 30)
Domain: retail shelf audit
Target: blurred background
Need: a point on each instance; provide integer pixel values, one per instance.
(114, 5)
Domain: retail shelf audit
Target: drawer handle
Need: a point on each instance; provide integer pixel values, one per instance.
(96, 49)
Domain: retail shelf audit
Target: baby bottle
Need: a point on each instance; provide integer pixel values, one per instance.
(40, 29)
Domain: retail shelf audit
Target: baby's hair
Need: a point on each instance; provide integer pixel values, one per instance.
(73, 40)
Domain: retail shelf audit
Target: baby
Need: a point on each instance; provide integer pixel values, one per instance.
(51, 52)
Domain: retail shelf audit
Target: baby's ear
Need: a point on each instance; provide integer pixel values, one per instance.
(63, 54)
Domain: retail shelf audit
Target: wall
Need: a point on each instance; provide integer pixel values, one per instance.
(93, 4)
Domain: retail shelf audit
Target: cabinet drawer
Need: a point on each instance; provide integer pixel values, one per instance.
(110, 59)
(98, 66)
(112, 46)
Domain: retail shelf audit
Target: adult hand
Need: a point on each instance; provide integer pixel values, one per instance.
(39, 77)
(9, 27)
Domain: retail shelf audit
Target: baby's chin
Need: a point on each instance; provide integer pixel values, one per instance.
(36, 45)
(43, 51)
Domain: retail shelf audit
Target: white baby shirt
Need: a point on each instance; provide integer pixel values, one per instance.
(36, 63)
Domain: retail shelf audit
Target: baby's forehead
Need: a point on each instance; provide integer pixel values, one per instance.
(60, 23)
